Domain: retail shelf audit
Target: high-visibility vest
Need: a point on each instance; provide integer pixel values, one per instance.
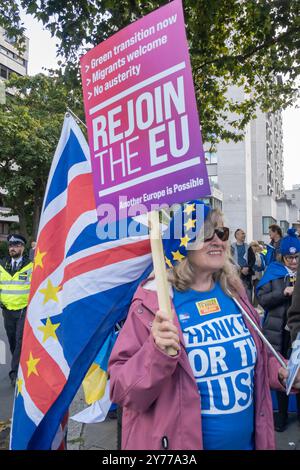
(14, 289)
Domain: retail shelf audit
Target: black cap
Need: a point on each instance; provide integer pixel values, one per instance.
(15, 238)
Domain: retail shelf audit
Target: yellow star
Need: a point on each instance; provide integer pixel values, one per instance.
(31, 365)
(50, 292)
(168, 262)
(49, 330)
(190, 224)
(19, 385)
(38, 259)
(189, 208)
(177, 256)
(184, 241)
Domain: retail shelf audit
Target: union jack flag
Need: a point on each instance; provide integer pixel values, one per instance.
(81, 287)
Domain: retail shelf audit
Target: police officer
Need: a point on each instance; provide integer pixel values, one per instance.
(15, 277)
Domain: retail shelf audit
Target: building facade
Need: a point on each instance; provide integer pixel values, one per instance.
(11, 61)
(249, 173)
(293, 195)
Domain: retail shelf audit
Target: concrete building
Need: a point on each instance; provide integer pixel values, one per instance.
(11, 61)
(249, 173)
(293, 195)
(269, 202)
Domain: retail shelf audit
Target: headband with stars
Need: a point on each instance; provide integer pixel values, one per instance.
(183, 229)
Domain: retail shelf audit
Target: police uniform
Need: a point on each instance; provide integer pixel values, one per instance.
(14, 293)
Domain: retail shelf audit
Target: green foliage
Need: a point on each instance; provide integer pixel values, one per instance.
(30, 125)
(248, 43)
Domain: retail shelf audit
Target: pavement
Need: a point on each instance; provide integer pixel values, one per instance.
(99, 436)
(103, 436)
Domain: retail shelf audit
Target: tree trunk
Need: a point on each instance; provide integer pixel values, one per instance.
(36, 218)
(22, 223)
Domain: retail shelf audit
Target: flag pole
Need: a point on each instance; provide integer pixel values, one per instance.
(259, 332)
(160, 269)
(77, 119)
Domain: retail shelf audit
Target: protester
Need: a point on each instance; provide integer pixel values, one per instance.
(273, 248)
(15, 277)
(263, 250)
(258, 268)
(274, 293)
(293, 321)
(215, 392)
(244, 257)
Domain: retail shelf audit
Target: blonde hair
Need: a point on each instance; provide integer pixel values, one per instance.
(182, 276)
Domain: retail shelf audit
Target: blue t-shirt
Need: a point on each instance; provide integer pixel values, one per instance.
(222, 355)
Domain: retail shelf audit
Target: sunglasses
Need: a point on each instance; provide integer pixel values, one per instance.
(292, 258)
(221, 232)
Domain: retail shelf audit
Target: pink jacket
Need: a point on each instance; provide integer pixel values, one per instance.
(158, 393)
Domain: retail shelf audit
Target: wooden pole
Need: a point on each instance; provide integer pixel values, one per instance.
(160, 269)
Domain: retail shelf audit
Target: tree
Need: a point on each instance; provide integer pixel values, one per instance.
(249, 43)
(30, 125)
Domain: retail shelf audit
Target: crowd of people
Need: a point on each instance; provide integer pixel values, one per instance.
(253, 258)
(268, 272)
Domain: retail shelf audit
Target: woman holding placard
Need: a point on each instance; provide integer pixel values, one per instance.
(215, 392)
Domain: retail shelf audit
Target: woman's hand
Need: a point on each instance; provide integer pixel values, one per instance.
(283, 375)
(164, 332)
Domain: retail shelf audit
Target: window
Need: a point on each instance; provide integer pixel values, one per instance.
(266, 222)
(10, 40)
(210, 158)
(212, 202)
(293, 196)
(12, 55)
(3, 72)
(284, 225)
(213, 180)
(20, 60)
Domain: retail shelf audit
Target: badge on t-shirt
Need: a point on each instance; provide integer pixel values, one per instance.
(184, 316)
(208, 306)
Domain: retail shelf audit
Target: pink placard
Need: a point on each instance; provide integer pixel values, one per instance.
(143, 127)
